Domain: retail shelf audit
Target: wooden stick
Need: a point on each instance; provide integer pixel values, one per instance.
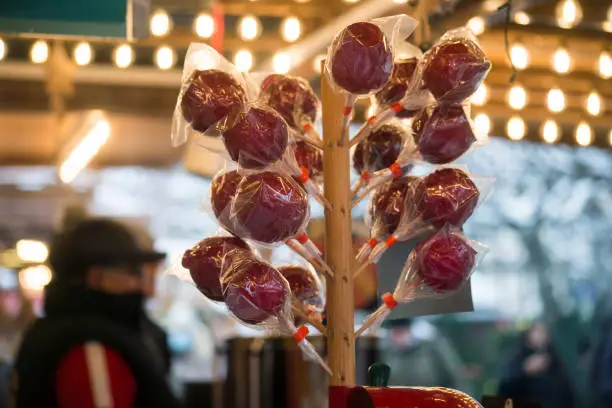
(297, 310)
(338, 239)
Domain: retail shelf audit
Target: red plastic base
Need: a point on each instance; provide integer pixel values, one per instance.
(398, 397)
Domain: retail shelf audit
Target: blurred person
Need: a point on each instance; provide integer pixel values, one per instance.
(536, 372)
(90, 349)
(419, 355)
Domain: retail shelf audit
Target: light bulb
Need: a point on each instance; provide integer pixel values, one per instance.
(519, 56)
(83, 54)
(29, 250)
(243, 60)
(522, 18)
(607, 26)
(584, 134)
(2, 49)
(477, 25)
(610, 138)
(39, 52)
(351, 1)
(562, 61)
(594, 104)
(164, 57)
(480, 96)
(556, 100)
(291, 29)
(400, 1)
(281, 63)
(249, 28)
(124, 56)
(550, 131)
(569, 13)
(482, 124)
(605, 65)
(316, 62)
(35, 278)
(160, 23)
(517, 97)
(204, 25)
(516, 128)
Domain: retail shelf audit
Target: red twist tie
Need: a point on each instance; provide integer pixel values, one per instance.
(371, 120)
(391, 241)
(304, 176)
(347, 110)
(302, 238)
(389, 300)
(366, 176)
(396, 170)
(372, 243)
(307, 127)
(309, 313)
(300, 334)
(397, 107)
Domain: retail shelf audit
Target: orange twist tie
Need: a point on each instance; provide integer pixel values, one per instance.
(304, 176)
(391, 241)
(389, 300)
(372, 243)
(371, 120)
(307, 127)
(309, 313)
(366, 176)
(396, 170)
(302, 238)
(397, 107)
(347, 110)
(300, 334)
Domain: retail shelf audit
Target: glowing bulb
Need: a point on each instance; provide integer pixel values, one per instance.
(519, 56)
(522, 18)
(291, 29)
(594, 104)
(2, 49)
(39, 52)
(34, 278)
(480, 96)
(243, 60)
(607, 26)
(164, 57)
(610, 138)
(584, 134)
(160, 23)
(482, 124)
(351, 1)
(249, 28)
(83, 54)
(556, 100)
(550, 131)
(29, 250)
(562, 61)
(316, 62)
(400, 1)
(204, 26)
(605, 65)
(477, 25)
(517, 97)
(516, 128)
(569, 13)
(281, 63)
(124, 56)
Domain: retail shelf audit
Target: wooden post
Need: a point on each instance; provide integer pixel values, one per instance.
(338, 240)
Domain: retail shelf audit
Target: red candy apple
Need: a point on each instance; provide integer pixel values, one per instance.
(362, 60)
(210, 96)
(257, 138)
(444, 261)
(204, 261)
(309, 157)
(444, 135)
(379, 149)
(222, 191)
(254, 291)
(292, 97)
(387, 206)
(269, 207)
(454, 69)
(397, 86)
(305, 285)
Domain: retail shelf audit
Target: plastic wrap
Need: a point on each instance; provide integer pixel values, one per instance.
(310, 158)
(307, 291)
(438, 266)
(222, 192)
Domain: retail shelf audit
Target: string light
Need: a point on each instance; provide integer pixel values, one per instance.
(83, 54)
(522, 18)
(39, 52)
(291, 29)
(204, 26)
(123, 56)
(480, 96)
(519, 56)
(400, 1)
(351, 1)
(316, 62)
(562, 61)
(569, 13)
(160, 23)
(607, 26)
(249, 28)
(281, 63)
(164, 57)
(30, 250)
(477, 25)
(517, 97)
(35, 278)
(556, 100)
(2, 49)
(482, 124)
(605, 65)
(516, 128)
(584, 134)
(594, 104)
(550, 131)
(243, 60)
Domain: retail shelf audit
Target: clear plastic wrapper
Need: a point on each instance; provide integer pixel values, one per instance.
(307, 291)
(222, 192)
(437, 267)
(310, 158)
